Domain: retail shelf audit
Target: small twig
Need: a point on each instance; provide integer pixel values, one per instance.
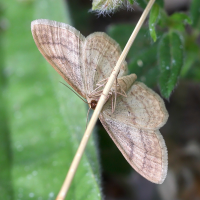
(101, 102)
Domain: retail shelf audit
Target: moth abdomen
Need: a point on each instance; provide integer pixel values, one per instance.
(126, 82)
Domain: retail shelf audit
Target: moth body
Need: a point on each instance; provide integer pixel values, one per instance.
(124, 83)
(133, 112)
(119, 88)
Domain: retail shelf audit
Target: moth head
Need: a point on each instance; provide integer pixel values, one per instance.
(93, 104)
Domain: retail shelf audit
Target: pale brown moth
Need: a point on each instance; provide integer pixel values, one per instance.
(134, 119)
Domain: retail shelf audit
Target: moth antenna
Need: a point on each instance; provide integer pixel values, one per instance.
(74, 92)
(87, 117)
(80, 98)
(115, 92)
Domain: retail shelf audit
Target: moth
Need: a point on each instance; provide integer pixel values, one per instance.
(134, 119)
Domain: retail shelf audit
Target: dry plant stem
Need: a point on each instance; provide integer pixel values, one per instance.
(101, 102)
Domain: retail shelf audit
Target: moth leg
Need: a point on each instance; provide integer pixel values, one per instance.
(105, 79)
(116, 85)
(122, 92)
(112, 104)
(124, 95)
(96, 94)
(99, 86)
(115, 94)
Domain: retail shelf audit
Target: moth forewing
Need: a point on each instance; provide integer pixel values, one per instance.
(61, 45)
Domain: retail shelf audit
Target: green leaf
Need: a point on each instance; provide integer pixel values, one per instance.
(195, 13)
(181, 18)
(160, 3)
(142, 57)
(177, 21)
(6, 189)
(144, 64)
(194, 73)
(192, 54)
(143, 3)
(152, 21)
(141, 42)
(189, 61)
(131, 1)
(42, 122)
(170, 57)
(163, 18)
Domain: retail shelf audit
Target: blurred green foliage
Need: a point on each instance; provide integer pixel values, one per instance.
(174, 53)
(152, 21)
(142, 57)
(170, 60)
(40, 132)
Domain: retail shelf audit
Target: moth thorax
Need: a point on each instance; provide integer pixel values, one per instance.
(126, 82)
(93, 104)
